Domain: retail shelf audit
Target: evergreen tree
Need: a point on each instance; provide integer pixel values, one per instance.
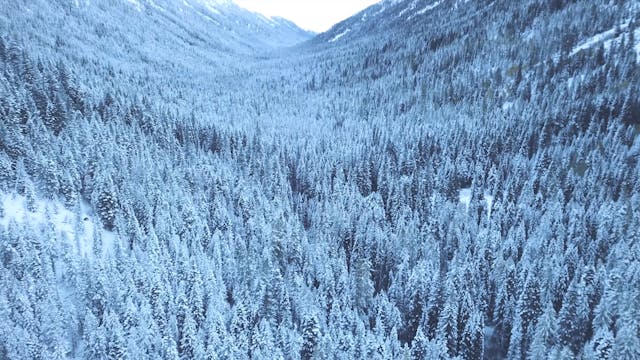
(572, 319)
(602, 344)
(116, 348)
(472, 342)
(448, 328)
(106, 203)
(188, 342)
(626, 345)
(310, 337)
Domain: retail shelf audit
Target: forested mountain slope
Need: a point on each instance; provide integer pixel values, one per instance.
(136, 33)
(452, 179)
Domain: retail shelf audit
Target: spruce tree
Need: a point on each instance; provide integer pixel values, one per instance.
(310, 337)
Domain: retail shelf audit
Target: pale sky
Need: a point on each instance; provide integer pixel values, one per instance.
(315, 15)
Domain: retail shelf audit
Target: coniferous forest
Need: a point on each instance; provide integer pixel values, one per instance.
(427, 180)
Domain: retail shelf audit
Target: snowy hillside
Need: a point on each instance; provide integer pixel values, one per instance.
(390, 14)
(129, 28)
(428, 179)
(611, 37)
(77, 231)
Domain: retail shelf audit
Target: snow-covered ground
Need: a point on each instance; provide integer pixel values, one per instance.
(424, 10)
(636, 35)
(464, 196)
(507, 105)
(407, 9)
(337, 37)
(78, 229)
(135, 3)
(608, 38)
(489, 200)
(594, 40)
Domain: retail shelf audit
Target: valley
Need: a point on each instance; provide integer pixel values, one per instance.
(426, 180)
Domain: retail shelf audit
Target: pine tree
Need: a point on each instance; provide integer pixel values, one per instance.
(448, 328)
(310, 337)
(195, 295)
(626, 345)
(188, 341)
(106, 203)
(544, 335)
(472, 342)
(55, 117)
(516, 349)
(529, 310)
(170, 350)
(6, 172)
(602, 344)
(116, 345)
(68, 188)
(572, 322)
(273, 294)
(95, 342)
(262, 342)
(240, 326)
(529, 306)
(3, 49)
(419, 345)
(363, 286)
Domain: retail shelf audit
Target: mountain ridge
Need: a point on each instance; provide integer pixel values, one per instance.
(218, 24)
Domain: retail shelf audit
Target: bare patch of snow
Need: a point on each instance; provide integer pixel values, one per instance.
(408, 8)
(212, 9)
(427, 8)
(269, 20)
(206, 17)
(135, 3)
(608, 37)
(507, 105)
(337, 37)
(78, 228)
(636, 35)
(108, 242)
(489, 200)
(156, 6)
(464, 196)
